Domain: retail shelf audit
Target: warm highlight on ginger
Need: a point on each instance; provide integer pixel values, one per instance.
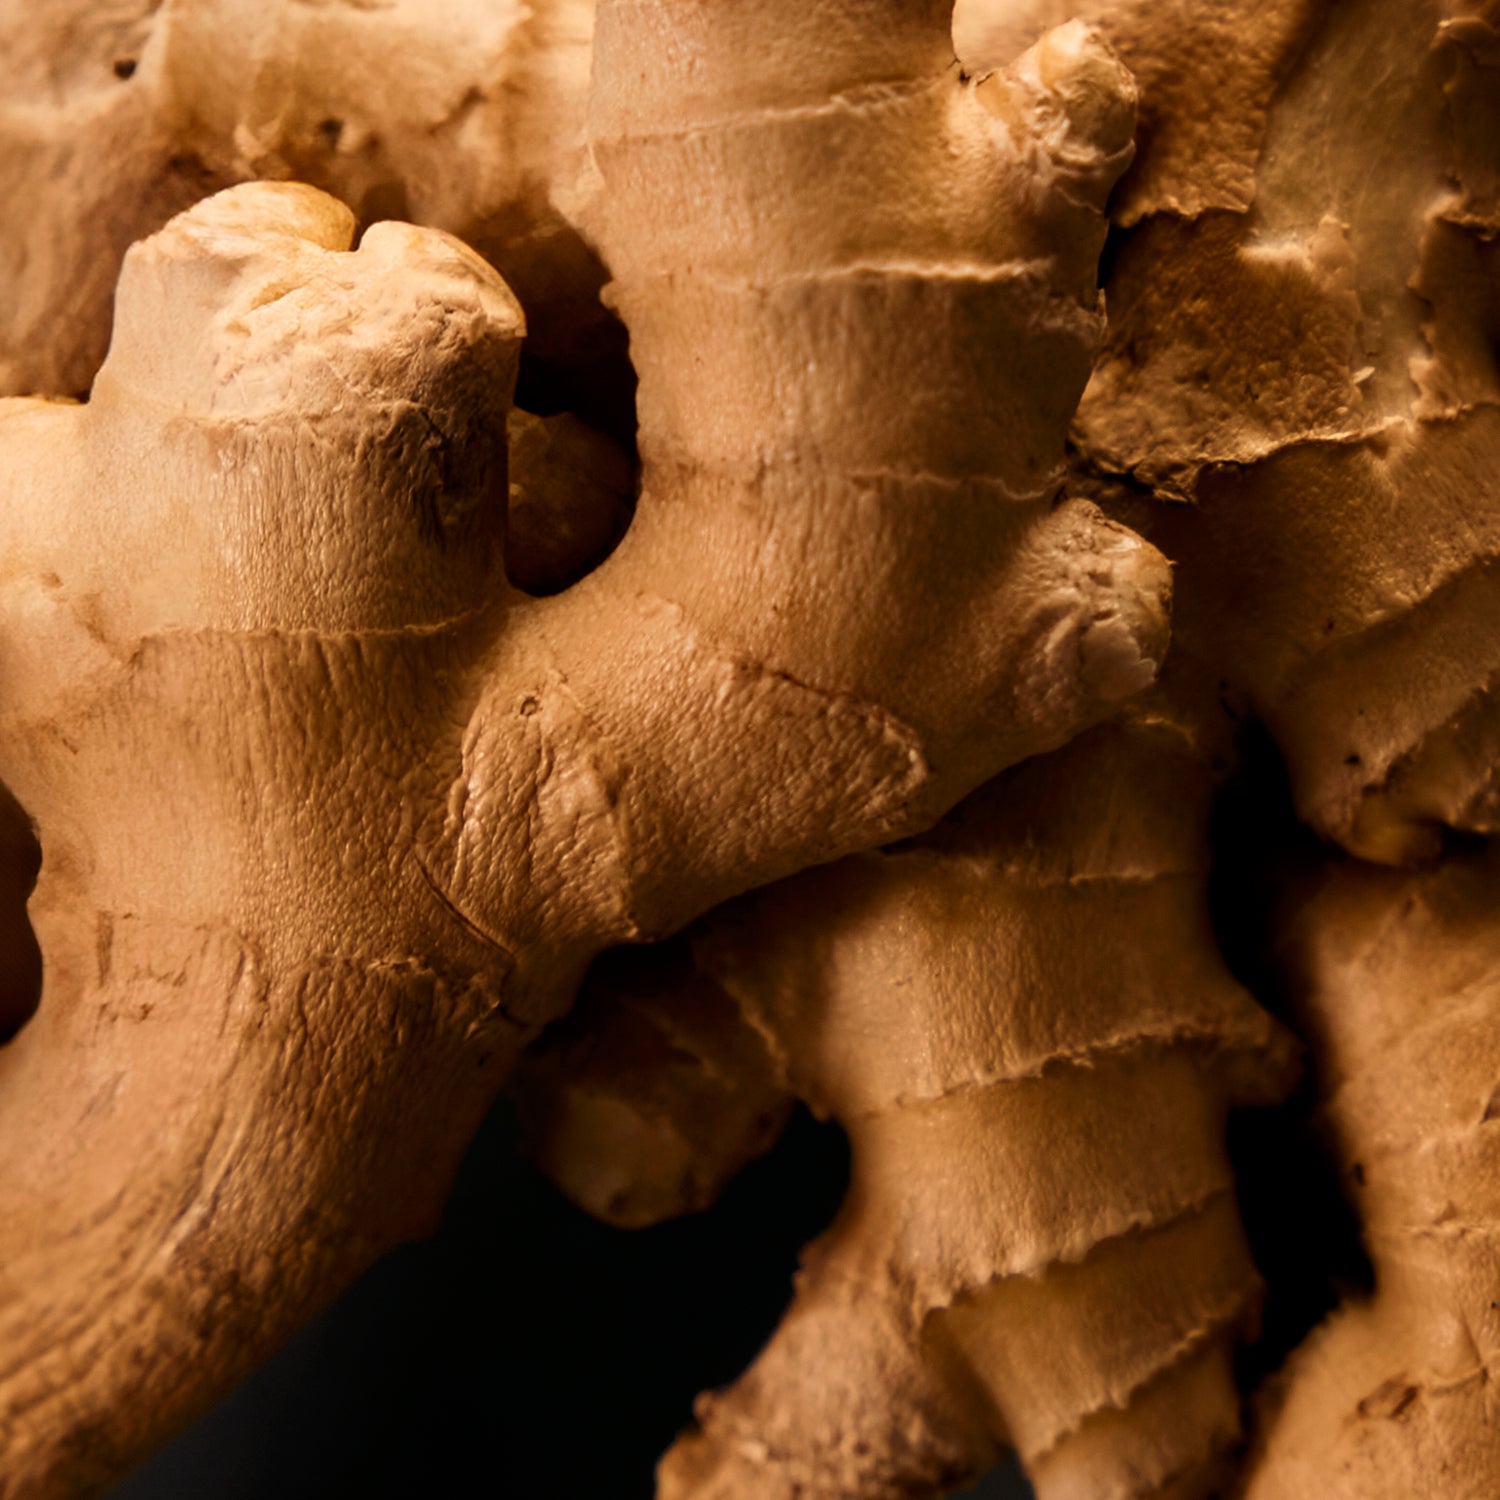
(674, 504)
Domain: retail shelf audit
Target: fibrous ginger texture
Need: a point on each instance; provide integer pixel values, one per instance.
(648, 1097)
(1296, 400)
(1023, 1024)
(1396, 979)
(1296, 397)
(460, 115)
(332, 820)
(1313, 369)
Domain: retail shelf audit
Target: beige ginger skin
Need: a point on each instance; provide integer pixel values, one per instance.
(461, 115)
(331, 819)
(1023, 1024)
(1294, 399)
(1396, 978)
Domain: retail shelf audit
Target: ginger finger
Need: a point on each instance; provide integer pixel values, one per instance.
(332, 820)
(465, 117)
(1396, 977)
(1023, 1023)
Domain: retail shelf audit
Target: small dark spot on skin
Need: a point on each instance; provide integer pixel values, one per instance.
(1351, 760)
(332, 132)
(1390, 1401)
(124, 67)
(191, 167)
(529, 706)
(1357, 1172)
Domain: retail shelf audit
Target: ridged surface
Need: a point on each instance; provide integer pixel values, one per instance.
(1397, 979)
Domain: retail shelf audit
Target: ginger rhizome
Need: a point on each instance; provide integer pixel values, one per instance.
(1022, 1022)
(332, 819)
(465, 115)
(1395, 978)
(1315, 372)
(1296, 401)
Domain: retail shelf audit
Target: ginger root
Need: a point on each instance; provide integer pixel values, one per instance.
(1314, 371)
(1022, 1021)
(649, 1096)
(456, 114)
(332, 820)
(1396, 980)
(1296, 401)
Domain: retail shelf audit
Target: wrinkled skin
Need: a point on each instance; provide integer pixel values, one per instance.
(464, 115)
(331, 820)
(1299, 400)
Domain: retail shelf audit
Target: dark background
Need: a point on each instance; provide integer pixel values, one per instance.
(525, 1351)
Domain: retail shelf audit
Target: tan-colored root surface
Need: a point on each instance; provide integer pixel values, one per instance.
(463, 116)
(1307, 359)
(332, 819)
(1398, 982)
(654, 1092)
(1023, 1024)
